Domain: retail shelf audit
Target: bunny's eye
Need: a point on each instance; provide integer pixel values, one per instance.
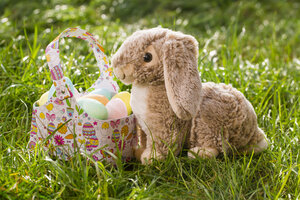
(147, 57)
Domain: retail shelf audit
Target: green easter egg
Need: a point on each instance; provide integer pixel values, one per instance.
(93, 108)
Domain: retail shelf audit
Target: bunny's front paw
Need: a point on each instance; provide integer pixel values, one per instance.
(203, 152)
(138, 150)
(259, 147)
(148, 155)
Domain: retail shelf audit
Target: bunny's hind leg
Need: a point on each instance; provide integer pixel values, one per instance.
(258, 143)
(202, 141)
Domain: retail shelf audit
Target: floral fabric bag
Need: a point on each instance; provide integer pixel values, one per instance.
(64, 128)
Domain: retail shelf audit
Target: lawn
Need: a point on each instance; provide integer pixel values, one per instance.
(253, 45)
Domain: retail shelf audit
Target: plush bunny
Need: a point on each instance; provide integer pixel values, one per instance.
(171, 105)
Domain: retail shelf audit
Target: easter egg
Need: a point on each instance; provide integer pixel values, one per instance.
(94, 142)
(89, 133)
(33, 127)
(43, 99)
(31, 145)
(115, 136)
(93, 108)
(88, 129)
(51, 128)
(101, 98)
(125, 97)
(69, 83)
(116, 108)
(104, 92)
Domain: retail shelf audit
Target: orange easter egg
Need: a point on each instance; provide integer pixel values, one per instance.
(101, 98)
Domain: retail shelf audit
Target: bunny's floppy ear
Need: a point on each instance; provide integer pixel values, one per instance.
(182, 81)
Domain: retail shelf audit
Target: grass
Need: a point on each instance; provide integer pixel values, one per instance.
(252, 45)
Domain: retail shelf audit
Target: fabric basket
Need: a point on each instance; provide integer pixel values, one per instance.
(64, 128)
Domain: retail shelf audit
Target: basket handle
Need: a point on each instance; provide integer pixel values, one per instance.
(52, 54)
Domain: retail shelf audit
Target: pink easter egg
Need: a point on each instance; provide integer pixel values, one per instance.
(116, 108)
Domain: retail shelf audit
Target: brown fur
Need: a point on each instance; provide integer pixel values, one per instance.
(226, 120)
(170, 106)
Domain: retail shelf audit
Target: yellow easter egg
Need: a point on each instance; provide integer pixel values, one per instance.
(43, 98)
(125, 97)
(42, 115)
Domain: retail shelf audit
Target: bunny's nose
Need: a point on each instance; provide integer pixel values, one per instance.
(119, 73)
(124, 73)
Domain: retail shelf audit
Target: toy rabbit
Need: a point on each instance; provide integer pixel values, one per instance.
(171, 105)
